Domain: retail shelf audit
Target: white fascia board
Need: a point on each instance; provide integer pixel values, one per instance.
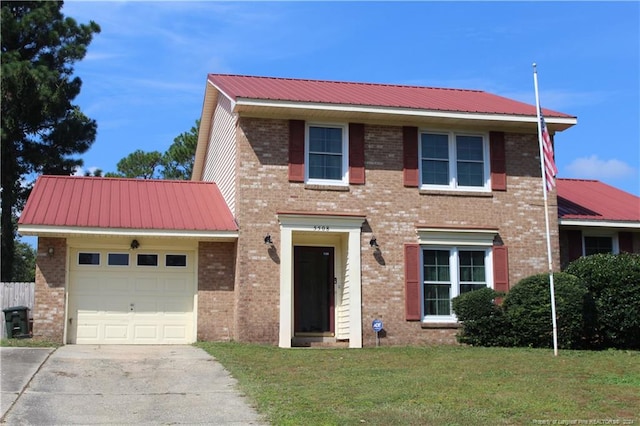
(39, 230)
(599, 223)
(233, 102)
(566, 121)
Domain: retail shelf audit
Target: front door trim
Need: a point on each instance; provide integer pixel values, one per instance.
(345, 229)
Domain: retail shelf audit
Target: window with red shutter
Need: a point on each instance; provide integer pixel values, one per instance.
(500, 269)
(412, 282)
(296, 150)
(498, 161)
(625, 242)
(410, 156)
(356, 154)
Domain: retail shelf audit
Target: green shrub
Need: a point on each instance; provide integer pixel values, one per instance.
(483, 322)
(527, 307)
(614, 283)
(475, 304)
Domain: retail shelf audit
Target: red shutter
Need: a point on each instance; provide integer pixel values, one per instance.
(296, 150)
(575, 245)
(500, 269)
(356, 153)
(410, 156)
(498, 161)
(412, 282)
(625, 242)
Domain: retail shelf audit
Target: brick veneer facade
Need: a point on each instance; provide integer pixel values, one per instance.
(216, 271)
(392, 211)
(239, 283)
(49, 305)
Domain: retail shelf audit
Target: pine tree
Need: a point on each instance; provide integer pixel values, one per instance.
(42, 130)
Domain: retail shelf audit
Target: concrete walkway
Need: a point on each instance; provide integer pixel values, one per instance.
(86, 384)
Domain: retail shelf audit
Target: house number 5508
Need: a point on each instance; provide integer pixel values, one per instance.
(320, 228)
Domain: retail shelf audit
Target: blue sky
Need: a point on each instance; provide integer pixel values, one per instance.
(145, 73)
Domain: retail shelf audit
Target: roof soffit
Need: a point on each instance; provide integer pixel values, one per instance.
(395, 116)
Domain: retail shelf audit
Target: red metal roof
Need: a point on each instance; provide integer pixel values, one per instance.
(594, 200)
(368, 94)
(71, 201)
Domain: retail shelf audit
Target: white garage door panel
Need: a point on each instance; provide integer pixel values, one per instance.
(131, 305)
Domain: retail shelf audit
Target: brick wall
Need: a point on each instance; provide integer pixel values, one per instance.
(48, 310)
(392, 213)
(216, 273)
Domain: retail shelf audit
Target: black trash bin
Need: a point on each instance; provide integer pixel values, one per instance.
(17, 321)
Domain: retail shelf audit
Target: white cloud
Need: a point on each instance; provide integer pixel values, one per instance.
(81, 171)
(594, 168)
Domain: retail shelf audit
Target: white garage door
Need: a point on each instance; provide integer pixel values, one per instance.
(131, 297)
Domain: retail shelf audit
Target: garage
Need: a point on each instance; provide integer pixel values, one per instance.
(130, 297)
(130, 261)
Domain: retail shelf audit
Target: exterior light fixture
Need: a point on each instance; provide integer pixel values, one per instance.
(134, 244)
(50, 251)
(268, 241)
(374, 243)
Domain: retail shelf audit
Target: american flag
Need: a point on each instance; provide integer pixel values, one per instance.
(550, 169)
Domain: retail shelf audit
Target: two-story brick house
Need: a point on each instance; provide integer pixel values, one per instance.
(354, 202)
(381, 202)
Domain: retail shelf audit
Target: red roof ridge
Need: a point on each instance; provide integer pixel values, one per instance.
(124, 179)
(578, 180)
(359, 83)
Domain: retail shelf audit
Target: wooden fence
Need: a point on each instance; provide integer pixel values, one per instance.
(16, 294)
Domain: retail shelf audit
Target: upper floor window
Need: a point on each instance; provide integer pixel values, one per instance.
(326, 151)
(454, 161)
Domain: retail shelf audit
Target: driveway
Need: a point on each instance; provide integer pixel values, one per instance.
(87, 384)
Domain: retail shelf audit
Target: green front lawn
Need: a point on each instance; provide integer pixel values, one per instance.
(441, 385)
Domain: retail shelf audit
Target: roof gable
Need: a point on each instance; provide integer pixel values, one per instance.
(89, 202)
(594, 200)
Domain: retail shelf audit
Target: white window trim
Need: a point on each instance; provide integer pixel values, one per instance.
(438, 238)
(88, 265)
(158, 257)
(453, 186)
(454, 269)
(186, 260)
(344, 181)
(118, 266)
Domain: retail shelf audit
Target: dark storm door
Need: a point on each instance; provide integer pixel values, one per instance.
(313, 289)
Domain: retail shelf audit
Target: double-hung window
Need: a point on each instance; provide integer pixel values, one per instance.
(454, 161)
(449, 272)
(327, 154)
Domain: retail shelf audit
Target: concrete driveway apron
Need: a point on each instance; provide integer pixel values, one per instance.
(87, 384)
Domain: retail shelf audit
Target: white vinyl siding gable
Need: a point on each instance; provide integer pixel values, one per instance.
(220, 163)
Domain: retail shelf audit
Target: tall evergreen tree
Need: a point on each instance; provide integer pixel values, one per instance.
(42, 131)
(179, 158)
(139, 164)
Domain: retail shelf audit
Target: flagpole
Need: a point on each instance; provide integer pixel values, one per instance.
(546, 216)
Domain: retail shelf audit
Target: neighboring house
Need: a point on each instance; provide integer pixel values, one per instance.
(596, 218)
(347, 202)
